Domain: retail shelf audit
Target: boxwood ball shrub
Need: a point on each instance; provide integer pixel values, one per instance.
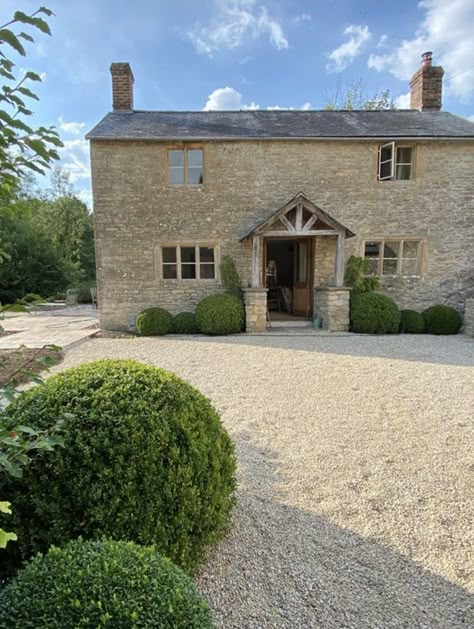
(411, 322)
(154, 322)
(145, 459)
(220, 314)
(442, 319)
(185, 323)
(102, 584)
(374, 313)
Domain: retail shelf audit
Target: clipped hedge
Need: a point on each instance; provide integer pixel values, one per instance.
(154, 322)
(185, 323)
(442, 319)
(145, 458)
(411, 322)
(220, 314)
(102, 584)
(374, 313)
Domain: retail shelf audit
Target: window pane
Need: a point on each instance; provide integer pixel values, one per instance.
(188, 271)
(404, 155)
(409, 267)
(169, 254)
(195, 175)
(391, 249)
(302, 260)
(389, 267)
(403, 171)
(188, 254)
(207, 271)
(372, 249)
(176, 158)
(176, 175)
(169, 271)
(373, 265)
(195, 158)
(410, 249)
(386, 154)
(206, 254)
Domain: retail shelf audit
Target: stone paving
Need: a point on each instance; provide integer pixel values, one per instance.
(35, 330)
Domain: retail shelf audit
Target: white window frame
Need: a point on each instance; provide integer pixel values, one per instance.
(400, 257)
(394, 146)
(185, 166)
(197, 263)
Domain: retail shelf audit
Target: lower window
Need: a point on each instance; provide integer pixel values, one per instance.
(394, 256)
(188, 262)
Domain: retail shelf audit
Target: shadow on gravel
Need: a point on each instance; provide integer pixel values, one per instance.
(445, 350)
(284, 567)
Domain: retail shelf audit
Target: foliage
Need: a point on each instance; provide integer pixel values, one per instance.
(156, 465)
(353, 95)
(22, 148)
(373, 313)
(18, 442)
(102, 584)
(154, 322)
(229, 276)
(411, 322)
(185, 323)
(85, 296)
(220, 314)
(441, 319)
(357, 276)
(31, 298)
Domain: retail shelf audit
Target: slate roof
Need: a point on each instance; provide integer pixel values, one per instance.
(202, 125)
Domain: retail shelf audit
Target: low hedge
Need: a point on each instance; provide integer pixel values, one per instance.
(411, 322)
(442, 319)
(374, 313)
(154, 322)
(145, 458)
(185, 323)
(220, 314)
(102, 584)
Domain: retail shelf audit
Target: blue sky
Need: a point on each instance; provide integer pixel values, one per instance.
(231, 54)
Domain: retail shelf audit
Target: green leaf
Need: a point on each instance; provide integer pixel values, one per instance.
(5, 507)
(12, 40)
(6, 537)
(33, 76)
(26, 36)
(46, 11)
(26, 92)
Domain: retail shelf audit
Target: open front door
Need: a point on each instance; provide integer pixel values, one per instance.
(302, 277)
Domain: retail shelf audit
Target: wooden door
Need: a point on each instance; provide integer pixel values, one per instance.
(303, 256)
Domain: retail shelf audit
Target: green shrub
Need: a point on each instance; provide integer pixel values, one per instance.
(230, 277)
(220, 314)
(358, 275)
(145, 458)
(442, 319)
(185, 323)
(154, 322)
(31, 298)
(411, 322)
(102, 584)
(374, 313)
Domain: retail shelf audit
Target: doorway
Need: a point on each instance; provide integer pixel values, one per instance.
(288, 277)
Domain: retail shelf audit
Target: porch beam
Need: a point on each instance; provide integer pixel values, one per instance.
(314, 232)
(299, 217)
(287, 223)
(307, 226)
(256, 261)
(340, 260)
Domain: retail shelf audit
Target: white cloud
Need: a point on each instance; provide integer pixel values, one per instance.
(299, 19)
(227, 98)
(236, 22)
(382, 43)
(402, 101)
(75, 159)
(446, 29)
(73, 128)
(345, 54)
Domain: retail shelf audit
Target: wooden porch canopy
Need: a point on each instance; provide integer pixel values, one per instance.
(297, 218)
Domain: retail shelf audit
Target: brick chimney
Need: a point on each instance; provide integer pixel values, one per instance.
(426, 85)
(122, 87)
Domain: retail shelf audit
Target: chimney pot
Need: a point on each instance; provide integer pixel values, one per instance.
(122, 86)
(426, 85)
(426, 59)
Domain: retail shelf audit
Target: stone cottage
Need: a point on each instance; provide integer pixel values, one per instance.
(289, 195)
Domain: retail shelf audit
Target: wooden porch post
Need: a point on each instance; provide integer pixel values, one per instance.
(340, 260)
(256, 261)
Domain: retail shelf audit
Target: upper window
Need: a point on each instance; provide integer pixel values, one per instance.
(395, 162)
(185, 166)
(394, 257)
(188, 262)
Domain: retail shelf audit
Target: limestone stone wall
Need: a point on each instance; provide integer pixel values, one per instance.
(331, 305)
(469, 317)
(135, 210)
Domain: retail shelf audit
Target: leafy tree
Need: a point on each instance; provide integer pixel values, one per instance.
(358, 276)
(354, 96)
(22, 147)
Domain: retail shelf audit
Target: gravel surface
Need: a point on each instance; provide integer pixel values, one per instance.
(355, 475)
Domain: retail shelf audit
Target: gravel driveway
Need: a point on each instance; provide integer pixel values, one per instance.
(355, 502)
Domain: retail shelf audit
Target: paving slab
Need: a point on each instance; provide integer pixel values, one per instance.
(35, 331)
